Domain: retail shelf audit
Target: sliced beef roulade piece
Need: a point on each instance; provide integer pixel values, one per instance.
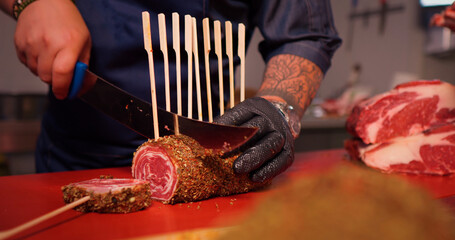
(181, 170)
(112, 195)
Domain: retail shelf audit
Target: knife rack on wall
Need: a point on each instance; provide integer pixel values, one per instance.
(191, 48)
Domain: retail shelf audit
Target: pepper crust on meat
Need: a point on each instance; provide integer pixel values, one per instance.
(181, 170)
(119, 195)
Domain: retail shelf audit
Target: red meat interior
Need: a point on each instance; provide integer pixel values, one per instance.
(153, 164)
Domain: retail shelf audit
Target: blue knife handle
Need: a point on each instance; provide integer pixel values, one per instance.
(78, 79)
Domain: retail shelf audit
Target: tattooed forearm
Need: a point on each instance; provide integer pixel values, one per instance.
(293, 79)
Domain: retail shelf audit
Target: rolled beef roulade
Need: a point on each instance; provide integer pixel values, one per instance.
(179, 169)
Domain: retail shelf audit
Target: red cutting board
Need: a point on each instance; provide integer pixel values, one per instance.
(26, 197)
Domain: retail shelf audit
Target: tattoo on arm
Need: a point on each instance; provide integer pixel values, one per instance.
(293, 79)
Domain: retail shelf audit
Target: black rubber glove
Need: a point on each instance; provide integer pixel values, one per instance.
(271, 150)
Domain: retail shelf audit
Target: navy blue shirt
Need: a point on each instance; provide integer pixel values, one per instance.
(75, 136)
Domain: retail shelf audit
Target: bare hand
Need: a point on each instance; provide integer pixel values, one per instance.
(50, 37)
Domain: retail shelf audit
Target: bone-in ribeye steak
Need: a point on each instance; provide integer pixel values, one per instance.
(181, 170)
(428, 152)
(407, 109)
(409, 129)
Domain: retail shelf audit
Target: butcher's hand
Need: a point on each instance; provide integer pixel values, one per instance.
(50, 38)
(271, 150)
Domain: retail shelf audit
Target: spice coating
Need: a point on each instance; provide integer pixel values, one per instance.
(201, 173)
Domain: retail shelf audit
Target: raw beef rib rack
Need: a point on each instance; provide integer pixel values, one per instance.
(408, 109)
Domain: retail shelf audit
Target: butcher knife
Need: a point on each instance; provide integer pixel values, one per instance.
(136, 114)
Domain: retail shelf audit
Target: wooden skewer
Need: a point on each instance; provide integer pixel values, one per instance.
(163, 47)
(176, 125)
(241, 54)
(206, 32)
(176, 45)
(22, 227)
(196, 68)
(218, 52)
(148, 48)
(189, 51)
(229, 54)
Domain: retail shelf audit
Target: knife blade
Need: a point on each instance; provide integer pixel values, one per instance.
(136, 114)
